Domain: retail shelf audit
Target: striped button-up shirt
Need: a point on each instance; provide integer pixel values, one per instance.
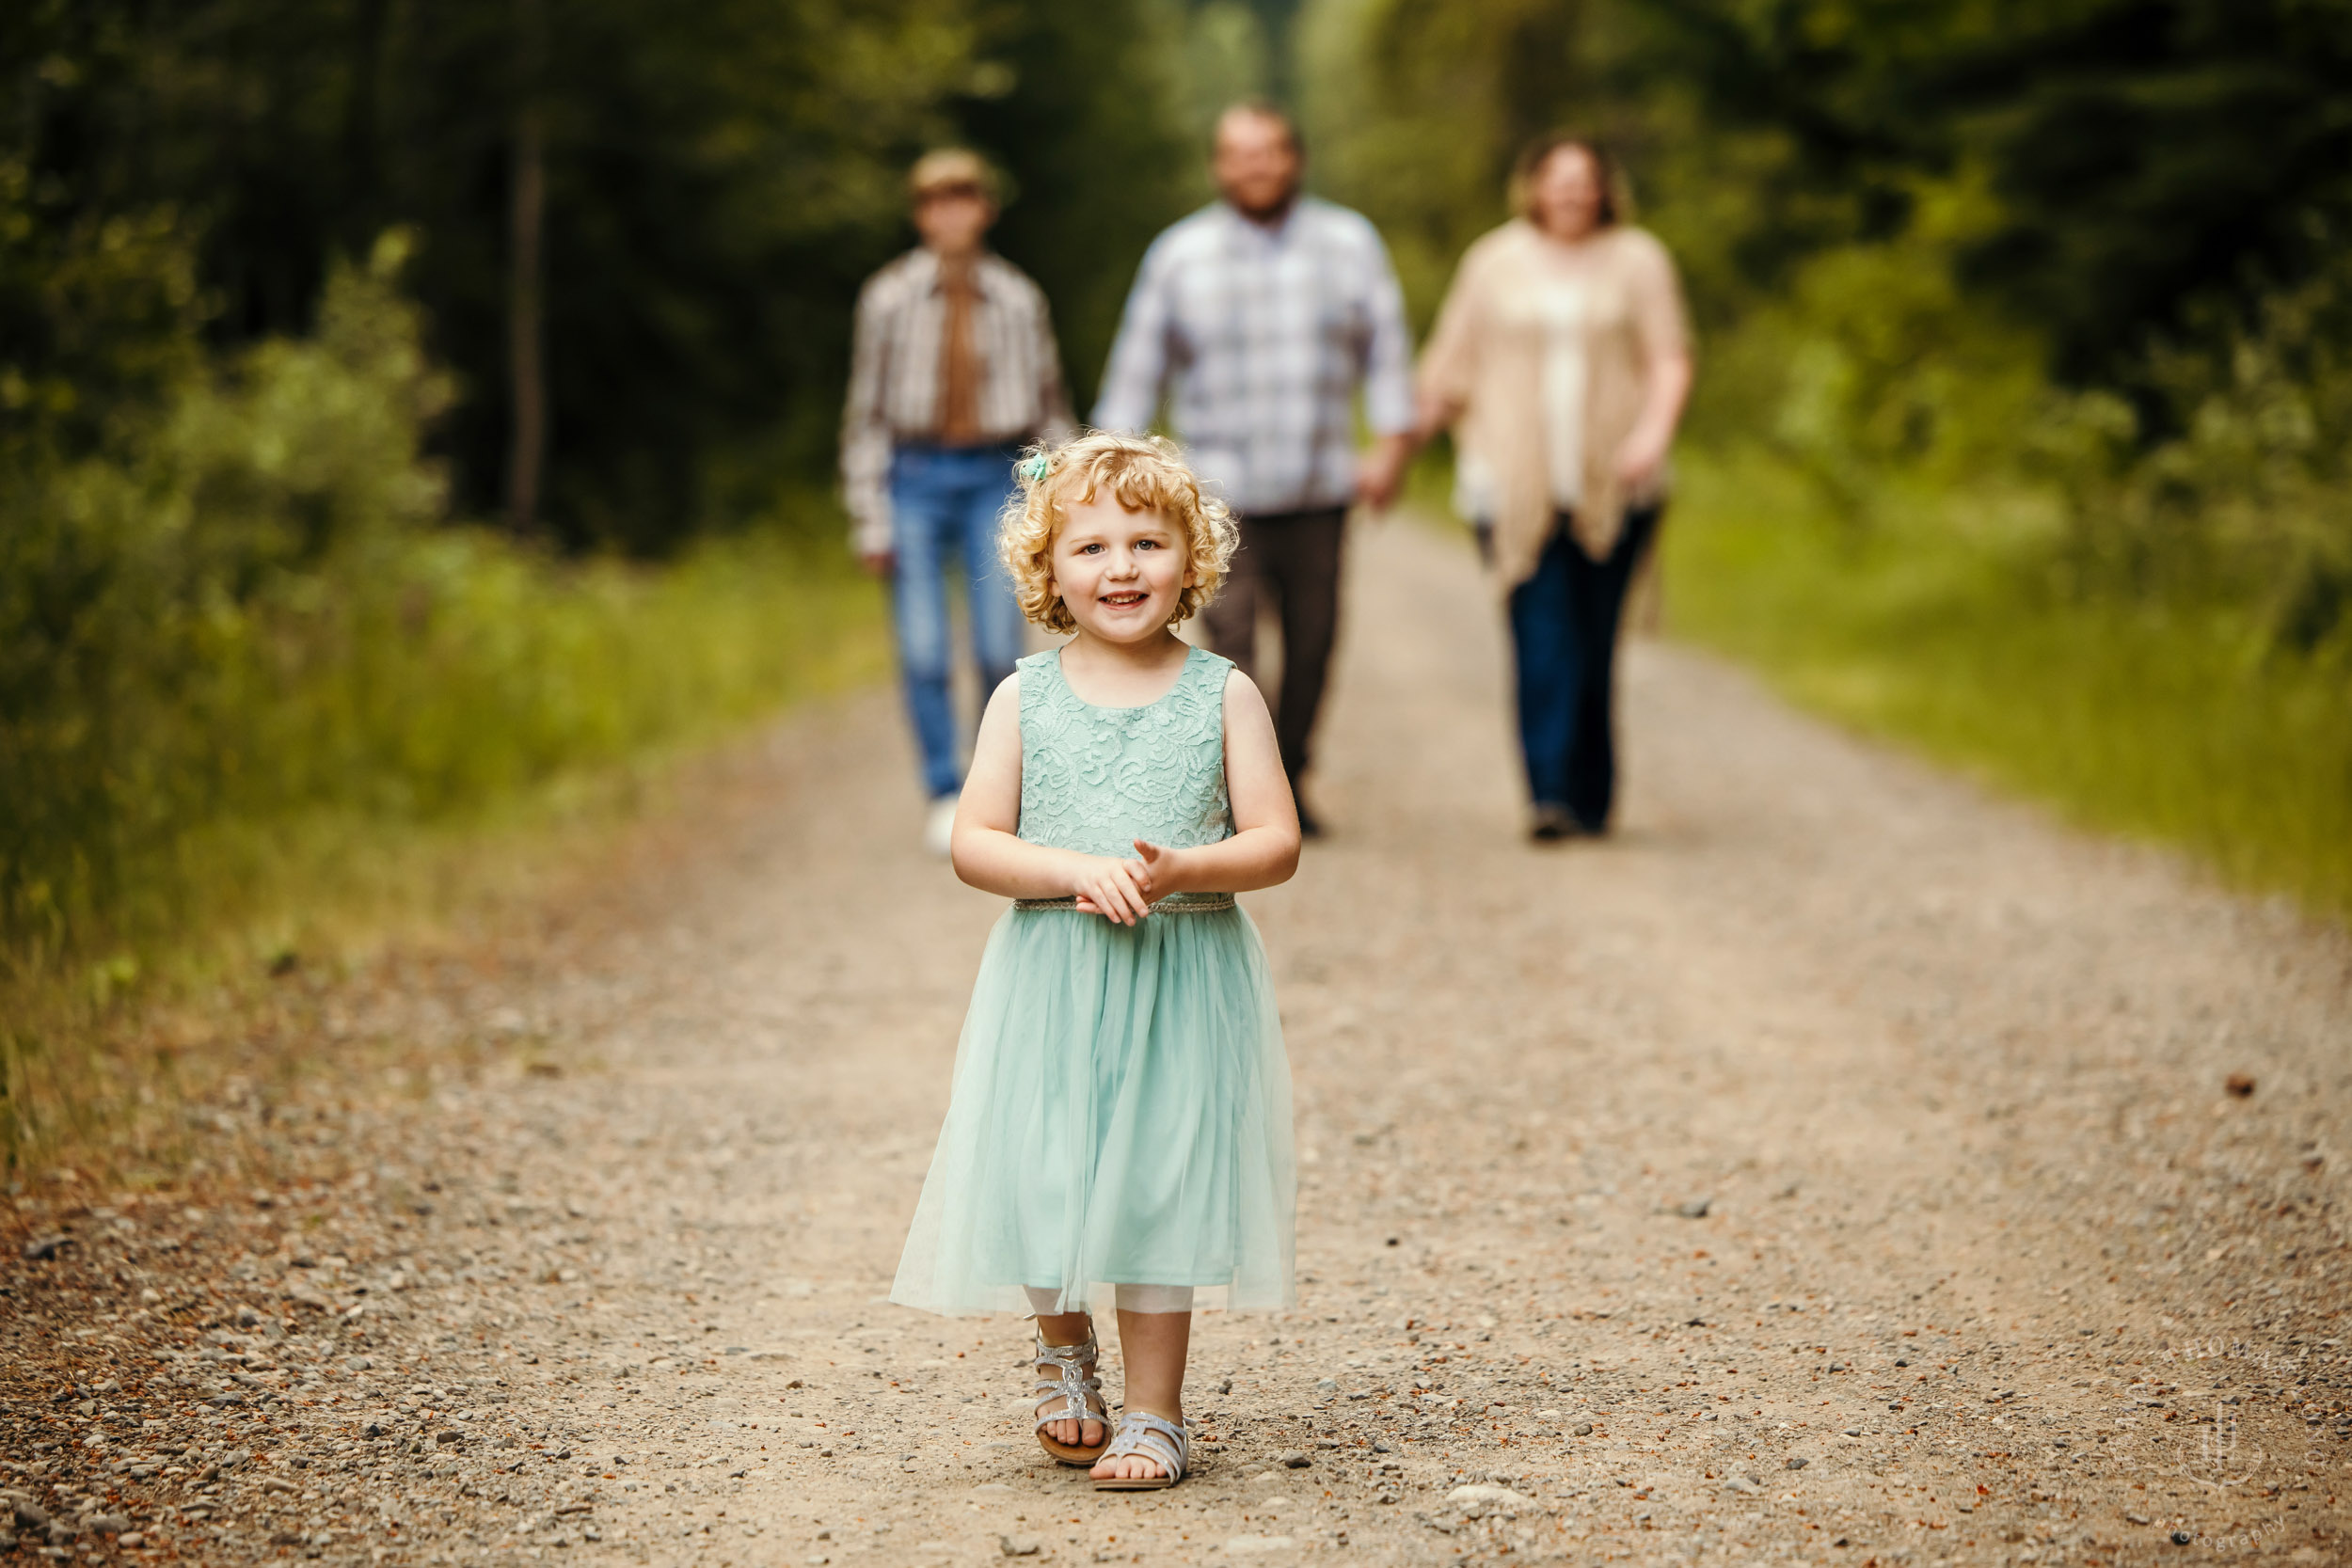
(1265, 333)
(895, 374)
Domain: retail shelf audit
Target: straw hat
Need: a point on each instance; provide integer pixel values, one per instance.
(951, 168)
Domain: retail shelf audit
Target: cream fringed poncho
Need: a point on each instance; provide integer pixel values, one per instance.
(1497, 355)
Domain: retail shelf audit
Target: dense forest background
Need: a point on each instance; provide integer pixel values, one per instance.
(403, 403)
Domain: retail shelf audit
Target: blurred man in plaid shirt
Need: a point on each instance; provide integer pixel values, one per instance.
(1259, 318)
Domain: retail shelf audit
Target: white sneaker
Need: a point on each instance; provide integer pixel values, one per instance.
(939, 827)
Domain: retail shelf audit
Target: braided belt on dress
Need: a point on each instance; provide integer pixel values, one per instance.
(1175, 903)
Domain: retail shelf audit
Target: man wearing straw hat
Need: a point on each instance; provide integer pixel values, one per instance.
(954, 367)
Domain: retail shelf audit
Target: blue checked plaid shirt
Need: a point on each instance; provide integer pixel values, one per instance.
(1265, 334)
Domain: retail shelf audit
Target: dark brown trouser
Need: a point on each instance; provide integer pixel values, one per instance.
(1296, 557)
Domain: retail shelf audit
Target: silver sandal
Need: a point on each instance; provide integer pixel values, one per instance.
(1146, 1435)
(1066, 1375)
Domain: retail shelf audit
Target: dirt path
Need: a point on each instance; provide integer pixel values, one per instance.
(1836, 1168)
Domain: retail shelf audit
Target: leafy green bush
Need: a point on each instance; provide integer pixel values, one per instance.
(2245, 495)
(1872, 366)
(2224, 485)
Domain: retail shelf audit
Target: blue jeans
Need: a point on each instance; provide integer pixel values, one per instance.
(944, 505)
(1563, 627)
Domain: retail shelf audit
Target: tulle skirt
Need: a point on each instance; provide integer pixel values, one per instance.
(1120, 1115)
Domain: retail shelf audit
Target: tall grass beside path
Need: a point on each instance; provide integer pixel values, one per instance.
(247, 670)
(1946, 622)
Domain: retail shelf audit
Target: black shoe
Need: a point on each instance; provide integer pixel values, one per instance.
(1552, 822)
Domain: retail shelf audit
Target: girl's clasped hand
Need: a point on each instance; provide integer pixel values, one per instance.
(1124, 890)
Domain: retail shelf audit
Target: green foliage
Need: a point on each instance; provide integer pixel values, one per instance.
(98, 317)
(1410, 116)
(1898, 515)
(2143, 158)
(257, 618)
(2250, 501)
(1085, 114)
(716, 174)
(1873, 366)
(1228, 57)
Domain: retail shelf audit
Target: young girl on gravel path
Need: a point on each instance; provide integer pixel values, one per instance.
(1122, 1111)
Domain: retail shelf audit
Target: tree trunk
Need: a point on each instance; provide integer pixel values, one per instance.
(526, 225)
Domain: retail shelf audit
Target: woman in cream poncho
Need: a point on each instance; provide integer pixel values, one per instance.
(1561, 360)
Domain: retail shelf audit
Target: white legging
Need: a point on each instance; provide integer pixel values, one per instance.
(1046, 1302)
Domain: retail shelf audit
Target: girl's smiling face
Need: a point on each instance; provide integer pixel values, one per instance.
(1120, 573)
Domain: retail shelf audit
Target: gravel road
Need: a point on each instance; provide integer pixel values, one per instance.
(1836, 1166)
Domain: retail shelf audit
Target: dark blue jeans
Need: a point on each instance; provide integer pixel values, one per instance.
(944, 505)
(1563, 627)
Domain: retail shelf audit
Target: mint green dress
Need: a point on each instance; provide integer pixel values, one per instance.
(1121, 1108)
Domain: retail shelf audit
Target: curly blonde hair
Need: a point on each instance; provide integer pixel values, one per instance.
(1143, 473)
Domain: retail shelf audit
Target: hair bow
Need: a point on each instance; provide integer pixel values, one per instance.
(1034, 469)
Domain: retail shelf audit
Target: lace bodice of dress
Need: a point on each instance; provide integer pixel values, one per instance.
(1094, 779)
